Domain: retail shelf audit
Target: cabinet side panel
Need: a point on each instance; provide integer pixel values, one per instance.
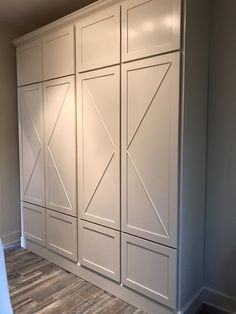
(193, 149)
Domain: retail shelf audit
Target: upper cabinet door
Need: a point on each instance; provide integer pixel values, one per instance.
(60, 142)
(98, 40)
(150, 148)
(29, 63)
(58, 53)
(99, 146)
(31, 139)
(150, 27)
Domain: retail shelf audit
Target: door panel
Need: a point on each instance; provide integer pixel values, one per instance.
(60, 145)
(34, 223)
(99, 249)
(62, 234)
(29, 63)
(58, 53)
(31, 139)
(150, 269)
(150, 27)
(99, 122)
(98, 40)
(150, 148)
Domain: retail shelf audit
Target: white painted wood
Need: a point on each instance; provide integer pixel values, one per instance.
(29, 63)
(60, 145)
(150, 269)
(59, 53)
(31, 144)
(150, 27)
(34, 223)
(99, 146)
(150, 148)
(98, 40)
(62, 234)
(99, 249)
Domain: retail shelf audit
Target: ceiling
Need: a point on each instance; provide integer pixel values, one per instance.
(27, 15)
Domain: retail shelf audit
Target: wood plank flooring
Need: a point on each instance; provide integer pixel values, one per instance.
(38, 286)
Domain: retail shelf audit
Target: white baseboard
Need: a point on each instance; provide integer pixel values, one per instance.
(207, 295)
(194, 304)
(10, 238)
(220, 300)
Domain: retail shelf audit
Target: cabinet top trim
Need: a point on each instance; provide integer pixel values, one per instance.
(68, 19)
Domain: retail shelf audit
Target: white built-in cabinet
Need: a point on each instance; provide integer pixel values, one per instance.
(99, 146)
(34, 223)
(31, 135)
(29, 63)
(150, 269)
(99, 249)
(100, 128)
(150, 27)
(150, 148)
(98, 40)
(60, 153)
(58, 53)
(48, 162)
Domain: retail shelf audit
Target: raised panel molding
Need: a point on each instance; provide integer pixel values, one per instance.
(99, 146)
(150, 27)
(34, 223)
(31, 139)
(150, 269)
(60, 145)
(98, 40)
(99, 249)
(62, 234)
(59, 53)
(29, 63)
(150, 148)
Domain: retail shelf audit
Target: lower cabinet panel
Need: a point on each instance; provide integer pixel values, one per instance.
(99, 249)
(62, 234)
(149, 269)
(34, 223)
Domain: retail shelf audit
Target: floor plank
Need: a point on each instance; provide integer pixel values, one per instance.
(40, 287)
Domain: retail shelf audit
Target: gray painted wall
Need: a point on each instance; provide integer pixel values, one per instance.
(9, 173)
(220, 264)
(193, 151)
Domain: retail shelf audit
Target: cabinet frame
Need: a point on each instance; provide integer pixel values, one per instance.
(155, 50)
(72, 208)
(115, 70)
(171, 238)
(32, 87)
(113, 11)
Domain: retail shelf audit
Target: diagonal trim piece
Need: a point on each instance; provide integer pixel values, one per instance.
(148, 195)
(148, 107)
(99, 115)
(100, 180)
(63, 102)
(60, 179)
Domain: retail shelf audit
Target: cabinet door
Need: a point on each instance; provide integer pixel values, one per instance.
(34, 223)
(58, 53)
(150, 148)
(60, 141)
(150, 269)
(99, 123)
(62, 234)
(150, 27)
(98, 40)
(29, 63)
(31, 139)
(99, 249)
